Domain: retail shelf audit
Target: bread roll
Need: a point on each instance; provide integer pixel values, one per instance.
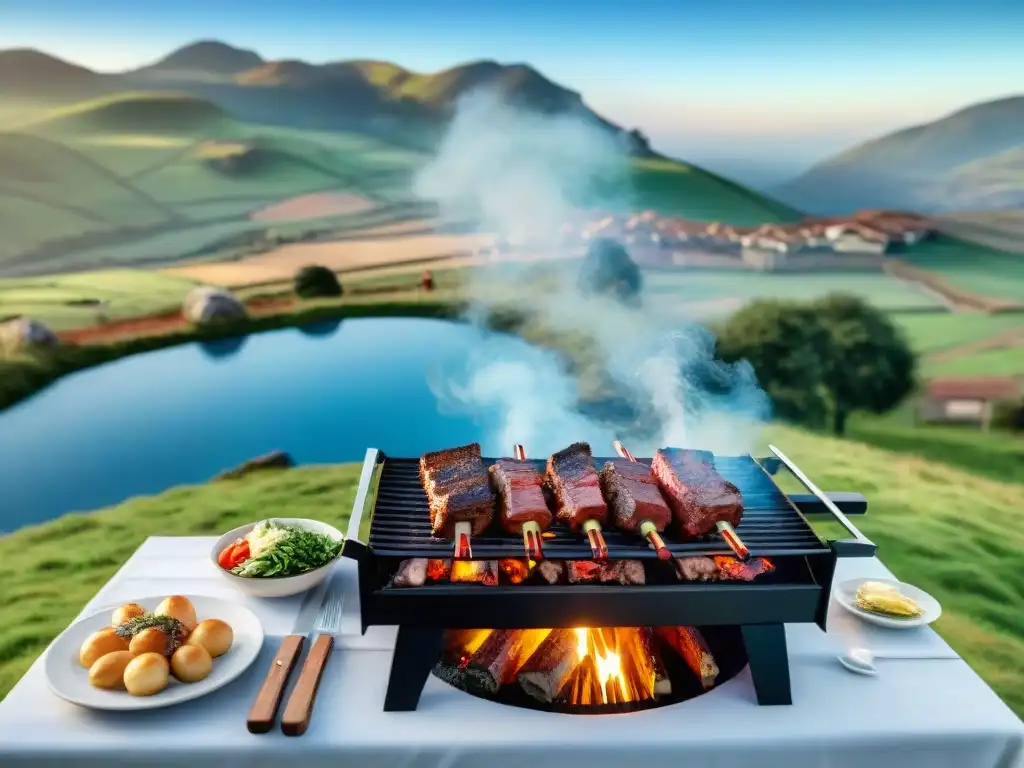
(108, 671)
(214, 635)
(150, 640)
(146, 674)
(99, 644)
(126, 612)
(191, 663)
(180, 608)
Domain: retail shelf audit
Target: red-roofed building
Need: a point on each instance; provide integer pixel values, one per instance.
(965, 400)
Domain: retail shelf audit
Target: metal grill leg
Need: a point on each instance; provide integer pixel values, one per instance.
(769, 662)
(416, 652)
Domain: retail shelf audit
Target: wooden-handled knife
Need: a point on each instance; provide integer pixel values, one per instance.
(268, 700)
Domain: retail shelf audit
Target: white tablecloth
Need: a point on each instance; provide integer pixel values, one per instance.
(932, 712)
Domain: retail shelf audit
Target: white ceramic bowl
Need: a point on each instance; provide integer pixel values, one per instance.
(276, 586)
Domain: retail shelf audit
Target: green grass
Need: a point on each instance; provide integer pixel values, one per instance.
(128, 293)
(682, 286)
(971, 267)
(931, 332)
(1005, 361)
(916, 515)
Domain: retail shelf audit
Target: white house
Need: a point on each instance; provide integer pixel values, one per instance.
(856, 238)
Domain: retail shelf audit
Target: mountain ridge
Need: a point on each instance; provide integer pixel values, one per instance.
(910, 167)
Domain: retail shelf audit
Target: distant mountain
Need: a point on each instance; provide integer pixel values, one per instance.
(380, 98)
(28, 73)
(207, 56)
(916, 167)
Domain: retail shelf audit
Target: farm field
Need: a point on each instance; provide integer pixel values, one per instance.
(930, 332)
(1002, 361)
(972, 267)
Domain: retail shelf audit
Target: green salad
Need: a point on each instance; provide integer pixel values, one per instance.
(273, 549)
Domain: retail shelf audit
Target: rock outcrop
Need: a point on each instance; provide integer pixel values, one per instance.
(272, 460)
(205, 305)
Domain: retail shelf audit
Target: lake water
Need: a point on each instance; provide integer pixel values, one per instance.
(323, 394)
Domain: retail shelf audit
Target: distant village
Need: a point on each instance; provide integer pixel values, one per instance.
(859, 240)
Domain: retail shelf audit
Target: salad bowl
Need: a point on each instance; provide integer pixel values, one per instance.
(285, 578)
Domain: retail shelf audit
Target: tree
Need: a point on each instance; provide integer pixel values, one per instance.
(608, 269)
(869, 366)
(315, 281)
(785, 344)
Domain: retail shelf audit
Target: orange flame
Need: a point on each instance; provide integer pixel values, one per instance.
(613, 667)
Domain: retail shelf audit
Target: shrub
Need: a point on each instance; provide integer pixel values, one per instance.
(315, 281)
(608, 269)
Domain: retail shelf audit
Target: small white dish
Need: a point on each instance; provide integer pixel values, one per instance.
(69, 680)
(846, 596)
(859, 660)
(283, 586)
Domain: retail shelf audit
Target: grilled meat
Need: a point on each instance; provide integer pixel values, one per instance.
(576, 487)
(623, 571)
(633, 496)
(520, 497)
(696, 569)
(411, 573)
(551, 571)
(698, 496)
(458, 490)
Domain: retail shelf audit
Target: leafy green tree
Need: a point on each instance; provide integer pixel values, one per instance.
(608, 269)
(869, 366)
(785, 344)
(315, 281)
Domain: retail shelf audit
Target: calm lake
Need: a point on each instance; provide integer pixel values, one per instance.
(324, 394)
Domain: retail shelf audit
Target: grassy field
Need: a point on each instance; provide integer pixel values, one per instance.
(66, 301)
(916, 515)
(931, 332)
(1005, 361)
(971, 267)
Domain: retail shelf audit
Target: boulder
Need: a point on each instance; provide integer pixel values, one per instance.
(22, 333)
(272, 460)
(205, 305)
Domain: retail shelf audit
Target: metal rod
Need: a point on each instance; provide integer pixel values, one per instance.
(646, 527)
(531, 531)
(820, 495)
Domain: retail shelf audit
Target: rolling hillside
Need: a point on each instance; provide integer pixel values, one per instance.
(97, 183)
(914, 167)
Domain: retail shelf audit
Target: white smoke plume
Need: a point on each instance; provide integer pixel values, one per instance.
(522, 176)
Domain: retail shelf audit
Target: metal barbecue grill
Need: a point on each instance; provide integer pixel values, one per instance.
(773, 526)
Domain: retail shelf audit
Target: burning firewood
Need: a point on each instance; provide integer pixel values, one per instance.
(622, 571)
(475, 572)
(721, 568)
(690, 644)
(516, 571)
(439, 570)
(549, 667)
(662, 683)
(501, 654)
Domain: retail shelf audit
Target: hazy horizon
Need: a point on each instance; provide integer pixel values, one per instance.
(772, 89)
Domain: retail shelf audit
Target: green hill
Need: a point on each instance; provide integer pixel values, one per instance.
(134, 113)
(915, 515)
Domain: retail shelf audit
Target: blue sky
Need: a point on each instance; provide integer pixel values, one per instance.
(783, 81)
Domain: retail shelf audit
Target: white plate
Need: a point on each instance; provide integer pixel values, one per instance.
(70, 680)
(846, 594)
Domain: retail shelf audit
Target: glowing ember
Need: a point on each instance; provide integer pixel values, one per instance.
(475, 572)
(731, 568)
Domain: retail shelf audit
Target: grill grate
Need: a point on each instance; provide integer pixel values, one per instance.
(770, 527)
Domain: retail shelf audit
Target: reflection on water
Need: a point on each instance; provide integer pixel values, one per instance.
(181, 415)
(325, 328)
(219, 349)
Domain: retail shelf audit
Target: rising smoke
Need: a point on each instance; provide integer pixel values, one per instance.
(523, 175)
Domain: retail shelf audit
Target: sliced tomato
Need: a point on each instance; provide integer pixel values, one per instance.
(239, 554)
(226, 557)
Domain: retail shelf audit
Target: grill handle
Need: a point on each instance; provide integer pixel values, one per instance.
(372, 458)
(860, 545)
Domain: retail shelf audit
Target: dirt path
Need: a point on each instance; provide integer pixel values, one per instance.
(314, 206)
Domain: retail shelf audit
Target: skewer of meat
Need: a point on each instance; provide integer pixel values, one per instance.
(459, 493)
(701, 500)
(636, 501)
(522, 508)
(573, 479)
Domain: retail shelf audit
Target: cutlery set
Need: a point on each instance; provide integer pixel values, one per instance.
(299, 710)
